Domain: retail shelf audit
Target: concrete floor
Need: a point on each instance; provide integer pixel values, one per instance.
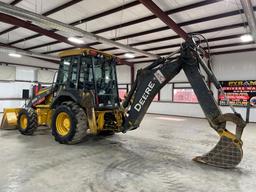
(154, 158)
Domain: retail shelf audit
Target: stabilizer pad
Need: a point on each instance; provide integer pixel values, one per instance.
(226, 154)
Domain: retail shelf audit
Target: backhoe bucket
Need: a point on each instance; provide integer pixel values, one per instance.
(226, 154)
(10, 117)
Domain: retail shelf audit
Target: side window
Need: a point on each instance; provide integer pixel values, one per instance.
(63, 70)
(74, 71)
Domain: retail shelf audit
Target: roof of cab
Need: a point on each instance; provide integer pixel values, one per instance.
(80, 51)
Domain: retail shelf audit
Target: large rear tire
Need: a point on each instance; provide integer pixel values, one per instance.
(27, 121)
(69, 123)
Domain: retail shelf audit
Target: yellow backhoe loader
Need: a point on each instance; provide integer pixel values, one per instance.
(84, 100)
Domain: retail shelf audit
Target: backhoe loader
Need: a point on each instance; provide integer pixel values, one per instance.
(84, 100)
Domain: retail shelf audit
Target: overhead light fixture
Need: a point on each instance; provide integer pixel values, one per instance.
(76, 40)
(129, 55)
(14, 55)
(246, 38)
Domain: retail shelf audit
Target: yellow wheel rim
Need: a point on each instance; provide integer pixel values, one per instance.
(23, 121)
(63, 124)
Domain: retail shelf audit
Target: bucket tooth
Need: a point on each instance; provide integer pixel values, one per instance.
(227, 153)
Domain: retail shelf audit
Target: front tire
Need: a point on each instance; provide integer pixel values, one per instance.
(69, 123)
(27, 121)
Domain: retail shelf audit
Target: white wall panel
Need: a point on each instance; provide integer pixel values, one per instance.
(25, 74)
(182, 109)
(13, 89)
(166, 93)
(181, 77)
(7, 73)
(253, 115)
(45, 76)
(123, 74)
(238, 66)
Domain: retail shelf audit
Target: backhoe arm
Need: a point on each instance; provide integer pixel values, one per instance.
(147, 84)
(228, 151)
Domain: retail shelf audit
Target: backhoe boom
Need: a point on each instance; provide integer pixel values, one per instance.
(228, 152)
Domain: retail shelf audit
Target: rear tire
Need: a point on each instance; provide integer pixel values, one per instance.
(27, 121)
(69, 123)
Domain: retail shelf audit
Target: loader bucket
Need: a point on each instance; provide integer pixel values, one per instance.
(10, 117)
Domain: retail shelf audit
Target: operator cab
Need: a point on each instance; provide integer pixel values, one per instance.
(90, 70)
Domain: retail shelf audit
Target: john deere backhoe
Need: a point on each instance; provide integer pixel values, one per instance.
(84, 100)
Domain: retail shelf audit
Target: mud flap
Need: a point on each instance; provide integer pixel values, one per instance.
(228, 152)
(10, 117)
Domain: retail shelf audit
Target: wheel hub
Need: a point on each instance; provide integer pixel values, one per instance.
(63, 123)
(23, 121)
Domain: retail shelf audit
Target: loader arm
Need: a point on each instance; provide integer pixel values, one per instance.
(228, 151)
(41, 95)
(10, 116)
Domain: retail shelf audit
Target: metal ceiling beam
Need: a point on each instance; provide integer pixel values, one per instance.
(87, 19)
(177, 45)
(72, 31)
(59, 8)
(211, 47)
(164, 17)
(15, 2)
(215, 29)
(250, 16)
(28, 25)
(169, 12)
(182, 24)
(58, 50)
(228, 27)
(191, 22)
(233, 26)
(215, 53)
(7, 49)
(44, 45)
(136, 21)
(14, 27)
(223, 46)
